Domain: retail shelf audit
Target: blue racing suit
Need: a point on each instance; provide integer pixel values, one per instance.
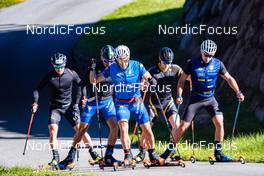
(127, 91)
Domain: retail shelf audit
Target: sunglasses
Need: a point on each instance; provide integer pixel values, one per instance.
(207, 55)
(58, 67)
(165, 62)
(105, 61)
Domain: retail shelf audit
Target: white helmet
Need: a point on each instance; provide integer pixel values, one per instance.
(122, 52)
(209, 47)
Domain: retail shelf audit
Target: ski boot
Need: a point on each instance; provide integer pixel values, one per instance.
(175, 157)
(220, 156)
(168, 152)
(68, 162)
(95, 158)
(128, 161)
(140, 156)
(156, 160)
(109, 161)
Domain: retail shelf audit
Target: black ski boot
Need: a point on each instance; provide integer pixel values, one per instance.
(68, 162)
(95, 156)
(154, 159)
(128, 159)
(140, 156)
(55, 160)
(109, 160)
(166, 153)
(220, 156)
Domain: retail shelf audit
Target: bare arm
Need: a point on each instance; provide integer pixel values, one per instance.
(233, 84)
(99, 78)
(181, 83)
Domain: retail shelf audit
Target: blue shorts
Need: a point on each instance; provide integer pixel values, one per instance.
(106, 107)
(137, 109)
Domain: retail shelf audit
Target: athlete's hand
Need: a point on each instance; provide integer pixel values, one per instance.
(75, 112)
(34, 107)
(153, 82)
(240, 96)
(179, 100)
(92, 64)
(83, 101)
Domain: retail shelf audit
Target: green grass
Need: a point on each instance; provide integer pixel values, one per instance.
(135, 25)
(6, 3)
(249, 146)
(21, 171)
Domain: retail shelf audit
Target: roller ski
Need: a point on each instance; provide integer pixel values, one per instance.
(165, 163)
(109, 161)
(225, 158)
(175, 157)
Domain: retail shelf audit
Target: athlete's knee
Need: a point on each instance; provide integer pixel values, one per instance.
(218, 122)
(184, 126)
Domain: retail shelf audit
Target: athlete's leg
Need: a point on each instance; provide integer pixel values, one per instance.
(219, 127)
(111, 122)
(54, 119)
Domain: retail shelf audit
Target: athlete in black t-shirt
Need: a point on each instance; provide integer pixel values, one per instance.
(60, 82)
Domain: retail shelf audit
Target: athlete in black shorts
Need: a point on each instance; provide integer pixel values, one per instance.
(204, 72)
(60, 81)
(167, 75)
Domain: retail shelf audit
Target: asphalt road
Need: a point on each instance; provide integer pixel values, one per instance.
(25, 59)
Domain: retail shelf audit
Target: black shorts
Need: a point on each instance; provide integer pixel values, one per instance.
(168, 107)
(55, 114)
(195, 105)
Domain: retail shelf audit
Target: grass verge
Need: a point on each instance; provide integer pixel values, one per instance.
(23, 171)
(7, 3)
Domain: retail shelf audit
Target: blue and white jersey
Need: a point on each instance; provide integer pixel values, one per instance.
(204, 76)
(126, 81)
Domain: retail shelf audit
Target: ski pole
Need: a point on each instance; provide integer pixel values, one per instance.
(28, 132)
(235, 122)
(97, 110)
(193, 137)
(166, 121)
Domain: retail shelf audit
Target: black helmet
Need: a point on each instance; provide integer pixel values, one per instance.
(107, 53)
(59, 60)
(166, 55)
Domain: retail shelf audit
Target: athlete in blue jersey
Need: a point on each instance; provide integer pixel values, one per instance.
(204, 72)
(127, 76)
(106, 108)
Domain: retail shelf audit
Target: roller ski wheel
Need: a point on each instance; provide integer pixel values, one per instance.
(242, 160)
(212, 160)
(193, 159)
